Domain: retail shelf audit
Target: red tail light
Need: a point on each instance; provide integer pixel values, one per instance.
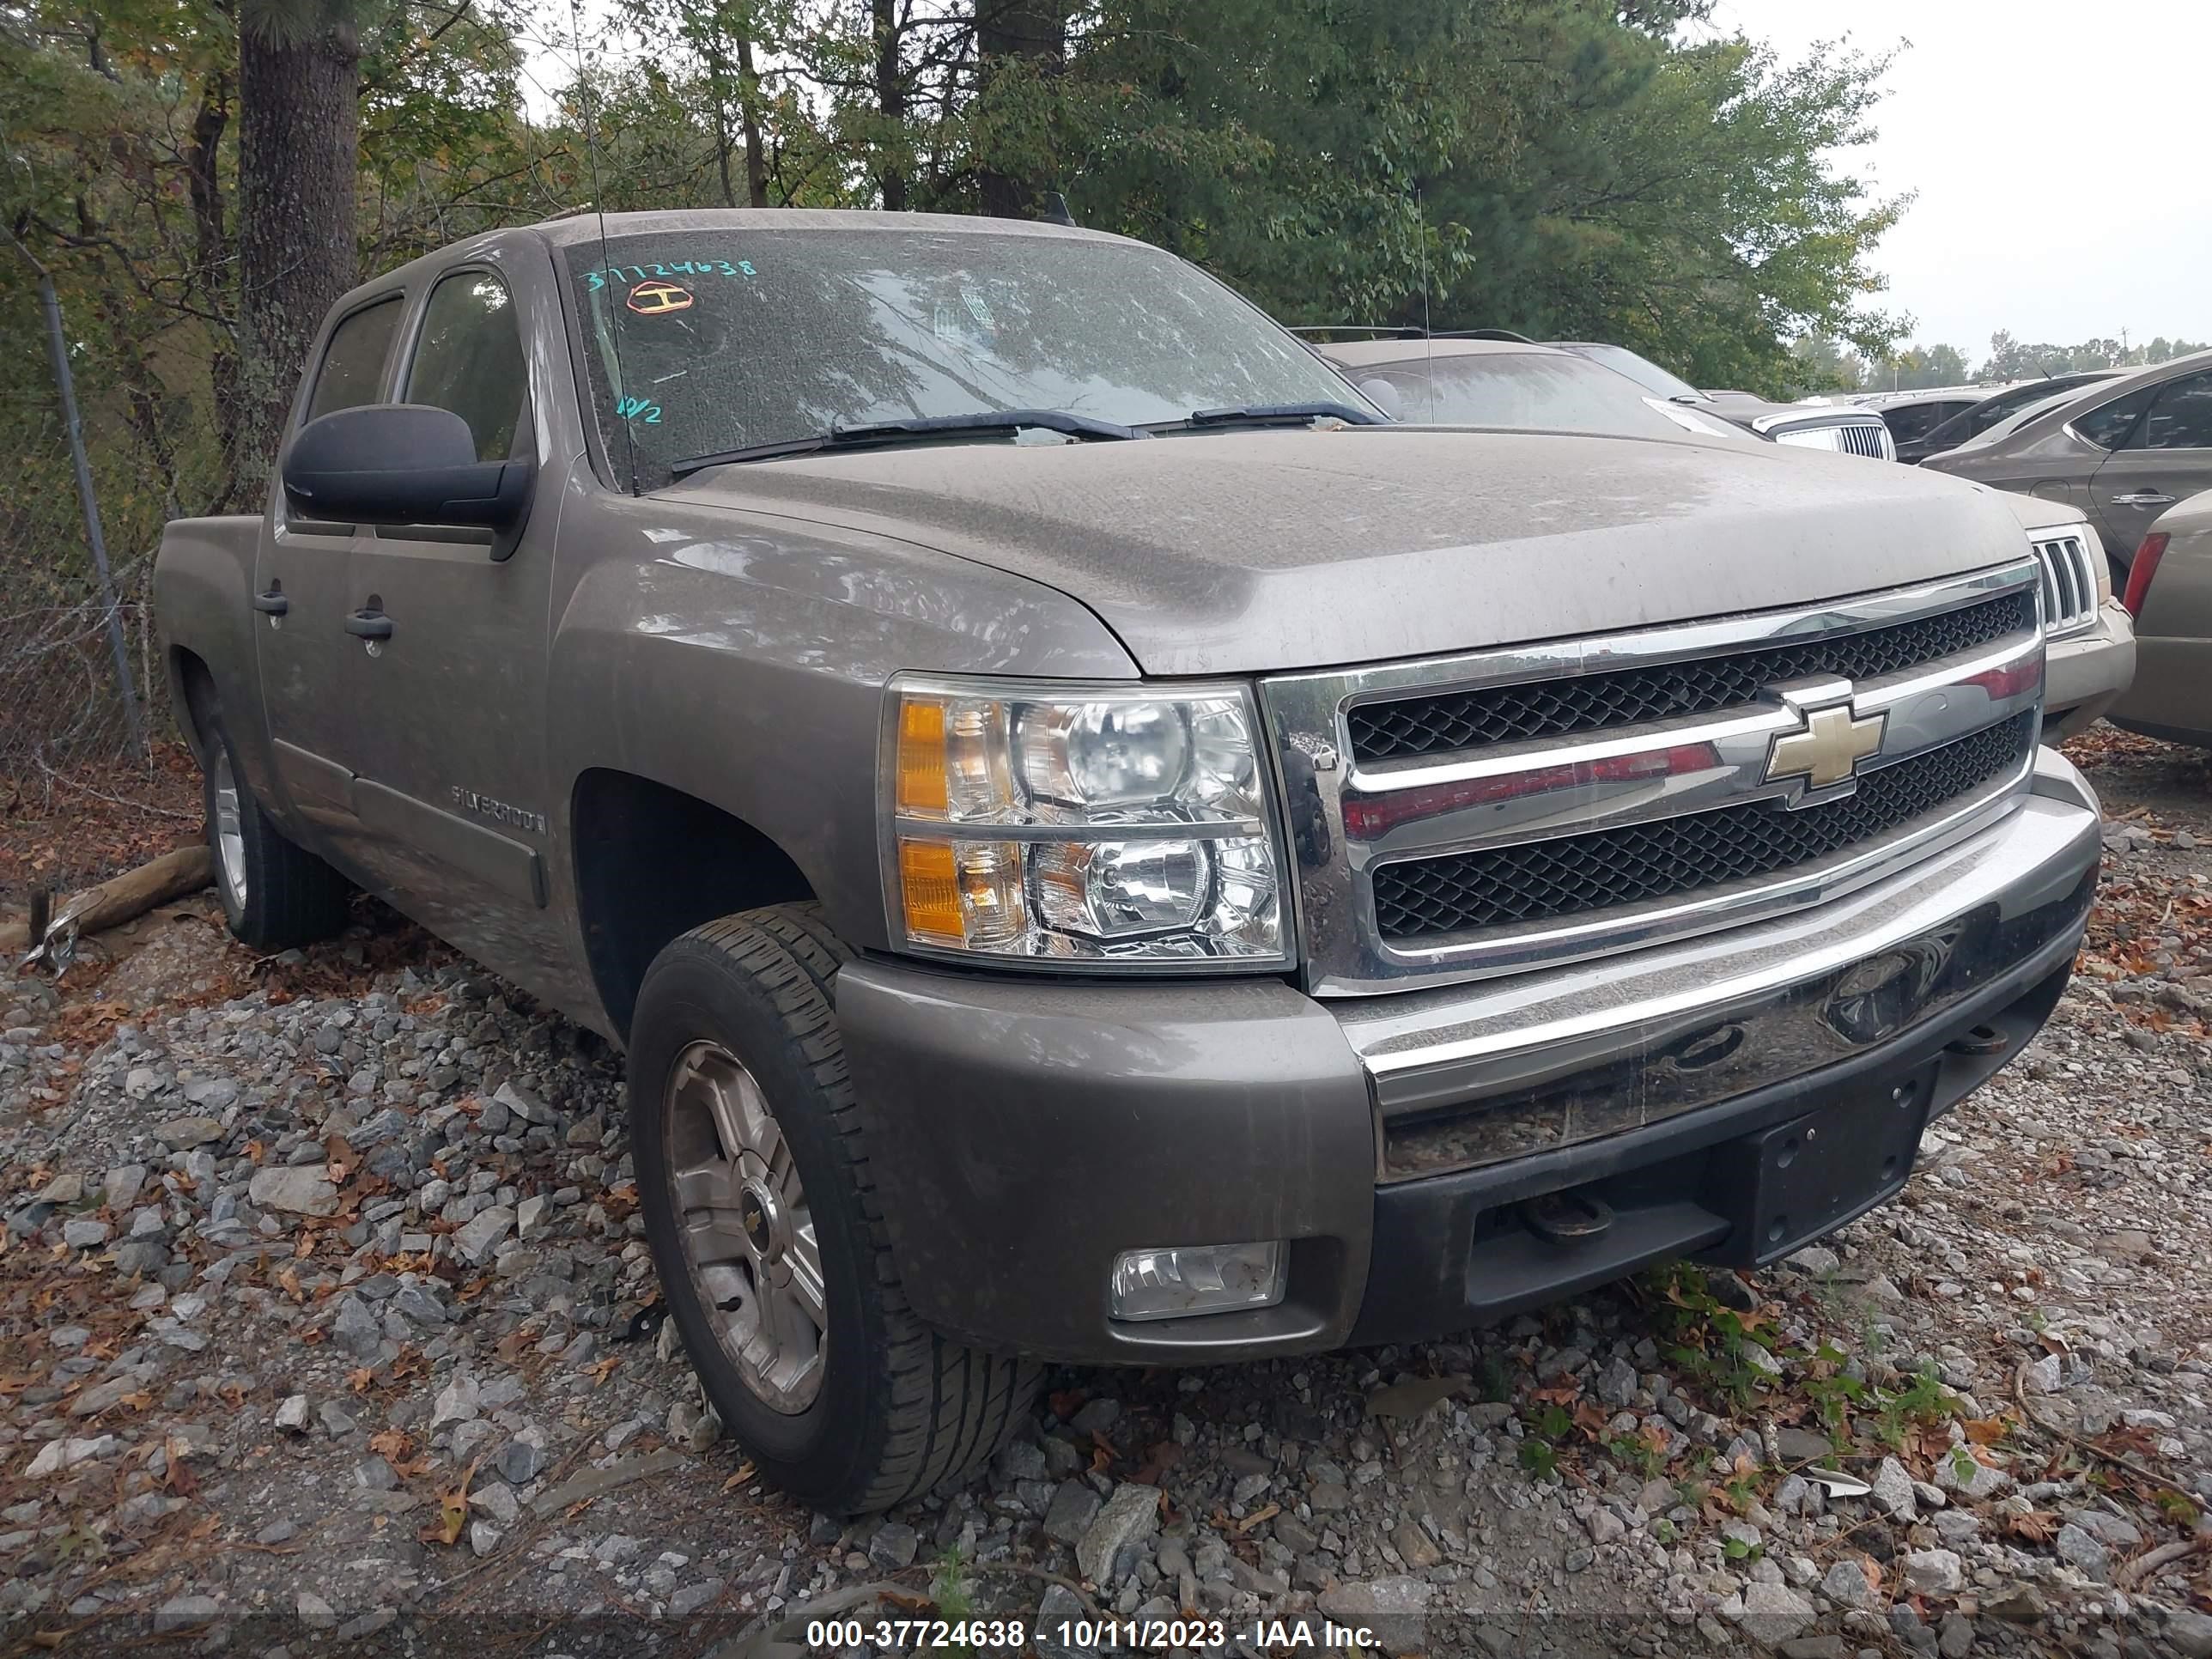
(2141, 572)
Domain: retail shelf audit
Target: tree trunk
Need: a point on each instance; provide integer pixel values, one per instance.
(891, 97)
(1026, 35)
(298, 152)
(749, 115)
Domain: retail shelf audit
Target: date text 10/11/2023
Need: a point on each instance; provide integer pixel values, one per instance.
(1103, 1635)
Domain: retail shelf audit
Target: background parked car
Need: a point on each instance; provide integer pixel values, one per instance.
(1911, 415)
(1843, 427)
(2170, 593)
(1838, 426)
(2121, 452)
(1994, 406)
(1519, 384)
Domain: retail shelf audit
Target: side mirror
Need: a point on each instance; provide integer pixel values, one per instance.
(404, 464)
(1384, 396)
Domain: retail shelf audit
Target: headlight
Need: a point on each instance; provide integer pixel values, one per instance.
(1118, 825)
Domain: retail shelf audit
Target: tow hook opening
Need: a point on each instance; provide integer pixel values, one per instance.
(1572, 1216)
(1984, 1039)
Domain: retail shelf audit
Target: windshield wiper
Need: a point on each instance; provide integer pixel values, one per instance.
(922, 427)
(1283, 414)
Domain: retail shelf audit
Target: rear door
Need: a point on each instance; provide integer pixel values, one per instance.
(2166, 458)
(452, 762)
(301, 583)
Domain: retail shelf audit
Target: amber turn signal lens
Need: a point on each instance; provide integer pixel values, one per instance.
(929, 878)
(921, 769)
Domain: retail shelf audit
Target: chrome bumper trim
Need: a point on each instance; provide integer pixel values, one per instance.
(1642, 1037)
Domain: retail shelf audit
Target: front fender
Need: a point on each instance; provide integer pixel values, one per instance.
(741, 659)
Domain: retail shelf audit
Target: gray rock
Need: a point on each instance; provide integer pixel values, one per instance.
(1096, 1417)
(1060, 1608)
(2080, 1549)
(692, 1597)
(520, 1462)
(1415, 1548)
(1817, 1260)
(1130, 1514)
(1773, 1613)
(1616, 1383)
(1395, 1609)
(894, 1545)
(2190, 1632)
(478, 1238)
(1954, 1636)
(120, 1191)
(1893, 1491)
(1961, 1472)
(1846, 1585)
(181, 1613)
(85, 1234)
(1074, 1507)
(292, 1415)
(181, 1134)
(356, 1328)
(302, 1190)
(315, 1612)
(1935, 1572)
(1605, 1526)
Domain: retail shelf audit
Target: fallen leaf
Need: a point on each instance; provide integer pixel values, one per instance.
(746, 1472)
(1268, 1513)
(1987, 1431)
(452, 1510)
(2036, 1526)
(601, 1370)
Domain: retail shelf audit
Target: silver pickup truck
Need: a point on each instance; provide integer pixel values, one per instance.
(1096, 848)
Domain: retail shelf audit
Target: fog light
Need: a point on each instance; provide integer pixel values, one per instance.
(1196, 1278)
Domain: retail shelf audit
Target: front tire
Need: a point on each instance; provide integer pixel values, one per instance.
(275, 895)
(763, 1218)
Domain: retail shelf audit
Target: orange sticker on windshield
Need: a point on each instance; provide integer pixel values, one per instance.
(657, 298)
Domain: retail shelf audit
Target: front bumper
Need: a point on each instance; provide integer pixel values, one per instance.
(1023, 1132)
(2085, 673)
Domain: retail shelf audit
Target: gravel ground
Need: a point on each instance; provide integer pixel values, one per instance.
(325, 1322)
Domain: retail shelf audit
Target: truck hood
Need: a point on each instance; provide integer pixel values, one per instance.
(1252, 552)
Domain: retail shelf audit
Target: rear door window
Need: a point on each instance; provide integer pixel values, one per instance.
(2181, 417)
(2109, 426)
(352, 370)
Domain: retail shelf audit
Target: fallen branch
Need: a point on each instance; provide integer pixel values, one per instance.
(172, 876)
(2134, 1572)
(117, 800)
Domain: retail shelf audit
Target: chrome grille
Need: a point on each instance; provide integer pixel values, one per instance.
(1873, 441)
(1569, 705)
(1539, 881)
(2070, 584)
(1524, 806)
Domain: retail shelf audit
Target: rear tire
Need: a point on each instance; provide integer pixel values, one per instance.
(275, 895)
(764, 1223)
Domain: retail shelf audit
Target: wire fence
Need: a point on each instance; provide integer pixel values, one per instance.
(61, 701)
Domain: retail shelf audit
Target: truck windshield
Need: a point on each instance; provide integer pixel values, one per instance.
(700, 342)
(1550, 391)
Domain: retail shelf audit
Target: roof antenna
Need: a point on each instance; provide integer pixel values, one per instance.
(1421, 230)
(1055, 209)
(592, 155)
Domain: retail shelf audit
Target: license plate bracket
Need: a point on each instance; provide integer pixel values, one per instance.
(1784, 1187)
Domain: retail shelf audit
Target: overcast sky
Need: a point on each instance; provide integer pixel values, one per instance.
(2061, 153)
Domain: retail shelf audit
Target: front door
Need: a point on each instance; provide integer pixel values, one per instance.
(301, 593)
(2168, 457)
(451, 791)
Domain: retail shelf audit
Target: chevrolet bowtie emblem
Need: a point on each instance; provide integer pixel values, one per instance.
(1828, 751)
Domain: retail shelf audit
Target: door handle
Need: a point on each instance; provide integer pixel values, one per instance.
(369, 625)
(2143, 498)
(273, 603)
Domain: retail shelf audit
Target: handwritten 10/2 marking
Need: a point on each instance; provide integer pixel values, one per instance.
(600, 279)
(631, 409)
